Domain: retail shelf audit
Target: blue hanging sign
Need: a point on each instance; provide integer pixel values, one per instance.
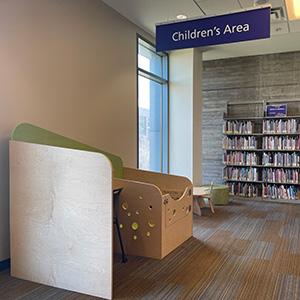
(231, 28)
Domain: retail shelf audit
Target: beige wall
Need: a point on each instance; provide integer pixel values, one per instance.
(69, 66)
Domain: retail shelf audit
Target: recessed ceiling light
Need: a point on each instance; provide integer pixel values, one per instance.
(293, 7)
(181, 17)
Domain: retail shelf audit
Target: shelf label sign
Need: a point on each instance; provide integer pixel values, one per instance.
(279, 110)
(230, 28)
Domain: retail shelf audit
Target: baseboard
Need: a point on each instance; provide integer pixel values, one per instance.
(5, 264)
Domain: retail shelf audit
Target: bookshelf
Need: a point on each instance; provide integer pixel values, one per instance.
(261, 154)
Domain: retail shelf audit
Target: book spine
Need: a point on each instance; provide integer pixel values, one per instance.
(281, 126)
(281, 159)
(279, 192)
(280, 176)
(243, 189)
(281, 143)
(245, 174)
(240, 143)
(240, 158)
(238, 127)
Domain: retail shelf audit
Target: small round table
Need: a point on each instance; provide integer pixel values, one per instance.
(220, 196)
(199, 194)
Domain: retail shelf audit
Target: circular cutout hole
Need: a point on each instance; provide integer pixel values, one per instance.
(150, 207)
(151, 224)
(124, 205)
(134, 226)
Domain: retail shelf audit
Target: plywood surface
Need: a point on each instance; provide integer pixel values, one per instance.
(163, 181)
(199, 191)
(153, 224)
(61, 218)
(141, 210)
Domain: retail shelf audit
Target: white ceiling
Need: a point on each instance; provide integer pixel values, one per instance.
(147, 13)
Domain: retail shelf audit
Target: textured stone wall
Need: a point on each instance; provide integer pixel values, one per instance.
(253, 78)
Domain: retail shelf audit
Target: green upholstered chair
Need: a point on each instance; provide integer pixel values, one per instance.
(220, 194)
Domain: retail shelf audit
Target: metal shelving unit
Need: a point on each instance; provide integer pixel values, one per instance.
(262, 150)
(261, 166)
(258, 121)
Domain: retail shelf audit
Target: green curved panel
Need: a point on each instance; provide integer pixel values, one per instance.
(29, 133)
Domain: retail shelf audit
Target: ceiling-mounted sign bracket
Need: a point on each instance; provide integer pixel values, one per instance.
(235, 27)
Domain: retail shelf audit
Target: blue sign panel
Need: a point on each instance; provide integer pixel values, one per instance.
(231, 28)
(279, 110)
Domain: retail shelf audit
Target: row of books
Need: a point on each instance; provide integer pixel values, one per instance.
(280, 192)
(281, 175)
(281, 159)
(240, 143)
(268, 159)
(268, 175)
(281, 143)
(281, 126)
(248, 174)
(238, 127)
(268, 191)
(240, 158)
(243, 189)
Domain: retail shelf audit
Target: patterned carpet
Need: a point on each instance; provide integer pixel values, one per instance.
(248, 250)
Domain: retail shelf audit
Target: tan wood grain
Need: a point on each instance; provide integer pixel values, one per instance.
(164, 222)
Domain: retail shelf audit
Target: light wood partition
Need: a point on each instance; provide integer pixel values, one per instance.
(155, 212)
(163, 181)
(61, 217)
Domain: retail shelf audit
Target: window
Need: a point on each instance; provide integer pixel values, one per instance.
(153, 106)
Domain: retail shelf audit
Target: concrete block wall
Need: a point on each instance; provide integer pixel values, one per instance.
(252, 78)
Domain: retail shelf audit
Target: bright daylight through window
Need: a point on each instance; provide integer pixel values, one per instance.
(152, 108)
